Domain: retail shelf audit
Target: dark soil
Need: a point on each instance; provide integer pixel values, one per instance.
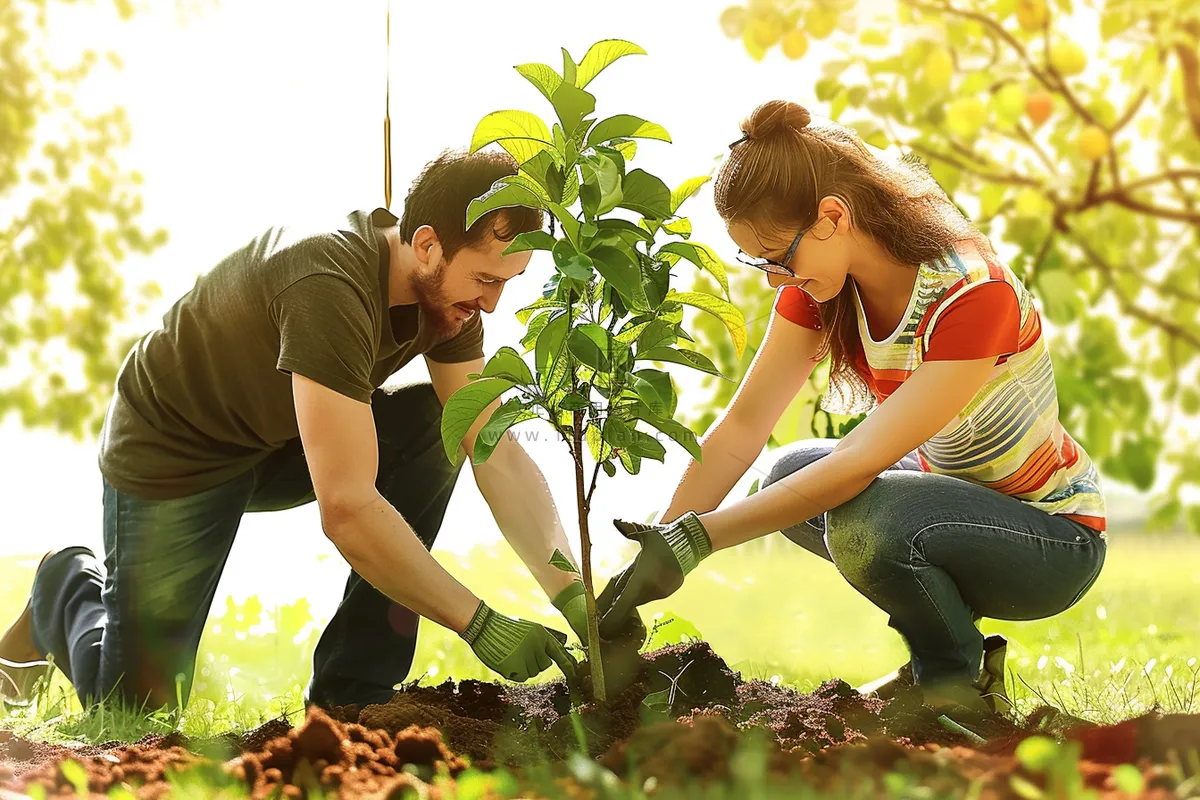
(686, 717)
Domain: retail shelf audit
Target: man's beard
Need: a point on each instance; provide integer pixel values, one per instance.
(431, 296)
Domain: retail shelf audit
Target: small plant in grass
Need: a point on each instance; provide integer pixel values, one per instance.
(608, 317)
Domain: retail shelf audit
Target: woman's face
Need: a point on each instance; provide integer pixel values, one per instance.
(821, 260)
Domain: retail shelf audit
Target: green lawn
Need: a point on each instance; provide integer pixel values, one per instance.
(771, 610)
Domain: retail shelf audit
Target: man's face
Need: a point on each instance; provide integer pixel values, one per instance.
(450, 291)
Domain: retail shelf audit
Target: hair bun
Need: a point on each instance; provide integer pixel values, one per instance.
(775, 116)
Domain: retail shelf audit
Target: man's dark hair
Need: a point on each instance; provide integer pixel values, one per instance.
(446, 186)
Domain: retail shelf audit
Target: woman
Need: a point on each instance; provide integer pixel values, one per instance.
(960, 495)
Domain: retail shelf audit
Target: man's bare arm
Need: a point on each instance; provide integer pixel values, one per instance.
(340, 445)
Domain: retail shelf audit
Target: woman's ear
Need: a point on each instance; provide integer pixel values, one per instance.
(838, 212)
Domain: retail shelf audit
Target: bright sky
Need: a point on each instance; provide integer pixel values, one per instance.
(257, 112)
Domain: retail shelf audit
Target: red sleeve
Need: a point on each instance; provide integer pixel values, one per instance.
(986, 321)
(794, 305)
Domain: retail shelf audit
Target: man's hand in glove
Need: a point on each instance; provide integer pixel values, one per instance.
(572, 603)
(515, 648)
(669, 552)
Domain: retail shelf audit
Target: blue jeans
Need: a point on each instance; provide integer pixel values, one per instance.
(129, 628)
(936, 553)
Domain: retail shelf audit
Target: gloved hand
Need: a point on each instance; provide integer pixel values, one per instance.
(669, 552)
(572, 603)
(516, 648)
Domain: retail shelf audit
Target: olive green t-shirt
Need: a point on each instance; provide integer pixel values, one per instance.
(208, 395)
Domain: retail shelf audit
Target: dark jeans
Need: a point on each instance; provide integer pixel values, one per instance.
(937, 552)
(134, 624)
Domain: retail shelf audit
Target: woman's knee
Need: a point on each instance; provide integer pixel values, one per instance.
(795, 457)
(866, 534)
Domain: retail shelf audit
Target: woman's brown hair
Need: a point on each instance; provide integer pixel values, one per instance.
(780, 170)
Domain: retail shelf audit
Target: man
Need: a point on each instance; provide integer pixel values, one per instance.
(261, 392)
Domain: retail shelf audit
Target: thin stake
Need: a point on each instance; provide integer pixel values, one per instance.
(387, 119)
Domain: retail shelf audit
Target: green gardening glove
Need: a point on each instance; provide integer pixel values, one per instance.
(669, 552)
(572, 603)
(516, 648)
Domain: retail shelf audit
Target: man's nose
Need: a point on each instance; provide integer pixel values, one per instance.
(490, 298)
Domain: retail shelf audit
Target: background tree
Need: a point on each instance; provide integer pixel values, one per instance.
(1071, 134)
(68, 217)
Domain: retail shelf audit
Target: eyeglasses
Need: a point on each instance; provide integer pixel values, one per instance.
(777, 267)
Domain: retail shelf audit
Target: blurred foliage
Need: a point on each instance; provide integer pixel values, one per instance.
(1070, 133)
(69, 217)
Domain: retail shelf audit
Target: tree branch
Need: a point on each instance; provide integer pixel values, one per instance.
(1127, 306)
(1009, 178)
(1050, 78)
(1189, 67)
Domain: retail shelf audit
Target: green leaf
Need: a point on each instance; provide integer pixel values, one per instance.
(529, 183)
(569, 67)
(647, 195)
(531, 240)
(1128, 779)
(730, 317)
(562, 562)
(826, 88)
(550, 344)
(655, 389)
(620, 435)
(626, 126)
(570, 225)
(628, 149)
(609, 469)
(621, 273)
(76, 775)
(508, 414)
(507, 363)
(574, 402)
(600, 55)
(672, 355)
(703, 257)
(464, 407)
(686, 190)
(680, 227)
(682, 435)
(1037, 753)
(839, 103)
(658, 332)
(520, 133)
(528, 311)
(501, 196)
(590, 344)
(625, 228)
(630, 461)
(602, 177)
(572, 263)
(572, 104)
(542, 76)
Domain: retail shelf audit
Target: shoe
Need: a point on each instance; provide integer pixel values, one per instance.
(989, 685)
(22, 668)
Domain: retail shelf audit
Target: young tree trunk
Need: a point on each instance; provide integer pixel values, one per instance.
(585, 538)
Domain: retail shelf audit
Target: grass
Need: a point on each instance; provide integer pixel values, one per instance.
(771, 610)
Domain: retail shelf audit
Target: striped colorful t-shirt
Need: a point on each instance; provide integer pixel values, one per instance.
(1008, 437)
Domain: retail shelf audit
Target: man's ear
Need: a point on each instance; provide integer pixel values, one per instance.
(426, 245)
